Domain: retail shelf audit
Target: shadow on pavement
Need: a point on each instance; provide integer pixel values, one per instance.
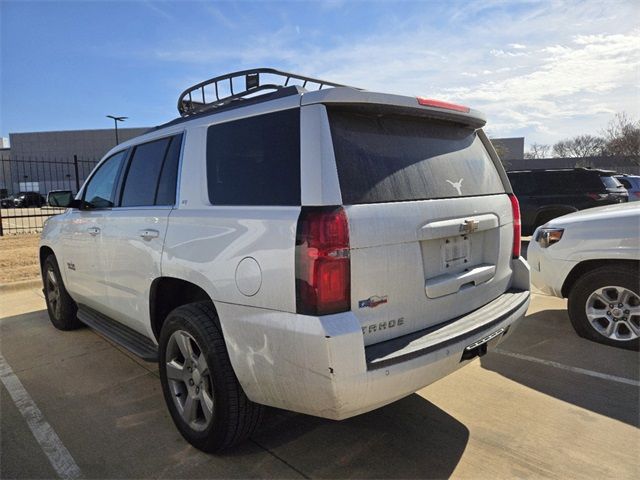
(411, 438)
(548, 336)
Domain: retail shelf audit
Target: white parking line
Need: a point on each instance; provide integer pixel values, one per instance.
(58, 455)
(561, 366)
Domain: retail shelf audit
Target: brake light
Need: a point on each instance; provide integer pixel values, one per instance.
(323, 265)
(597, 196)
(515, 209)
(430, 102)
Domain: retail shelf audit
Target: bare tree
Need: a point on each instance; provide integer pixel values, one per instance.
(537, 150)
(622, 136)
(579, 146)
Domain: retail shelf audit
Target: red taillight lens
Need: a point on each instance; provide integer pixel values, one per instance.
(597, 196)
(430, 102)
(323, 266)
(515, 209)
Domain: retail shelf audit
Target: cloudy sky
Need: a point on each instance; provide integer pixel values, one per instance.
(545, 70)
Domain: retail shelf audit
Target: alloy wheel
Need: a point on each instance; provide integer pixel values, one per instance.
(614, 312)
(189, 380)
(53, 292)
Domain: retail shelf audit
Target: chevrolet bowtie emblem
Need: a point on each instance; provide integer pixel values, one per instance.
(469, 226)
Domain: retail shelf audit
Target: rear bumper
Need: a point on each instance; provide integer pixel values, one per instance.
(320, 366)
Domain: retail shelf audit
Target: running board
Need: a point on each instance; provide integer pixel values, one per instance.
(124, 336)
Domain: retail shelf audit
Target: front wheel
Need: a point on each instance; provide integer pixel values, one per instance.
(604, 306)
(202, 393)
(61, 307)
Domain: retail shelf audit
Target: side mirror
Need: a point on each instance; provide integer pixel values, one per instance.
(60, 198)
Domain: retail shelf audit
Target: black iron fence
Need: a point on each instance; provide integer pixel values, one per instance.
(25, 184)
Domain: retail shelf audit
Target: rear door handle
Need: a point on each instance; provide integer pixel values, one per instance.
(148, 234)
(93, 231)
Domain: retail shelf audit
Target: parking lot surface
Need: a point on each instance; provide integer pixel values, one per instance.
(546, 404)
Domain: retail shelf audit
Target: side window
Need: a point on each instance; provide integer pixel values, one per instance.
(142, 175)
(523, 183)
(169, 177)
(100, 191)
(255, 161)
(626, 183)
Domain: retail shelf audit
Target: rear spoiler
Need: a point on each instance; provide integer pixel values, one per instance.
(417, 106)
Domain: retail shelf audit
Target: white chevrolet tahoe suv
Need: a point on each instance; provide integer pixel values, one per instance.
(323, 250)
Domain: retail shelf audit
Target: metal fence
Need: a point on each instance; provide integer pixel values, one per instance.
(25, 183)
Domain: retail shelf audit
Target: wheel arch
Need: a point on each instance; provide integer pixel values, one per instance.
(583, 267)
(168, 293)
(43, 253)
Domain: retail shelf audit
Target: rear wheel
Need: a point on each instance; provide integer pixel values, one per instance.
(202, 393)
(604, 306)
(61, 307)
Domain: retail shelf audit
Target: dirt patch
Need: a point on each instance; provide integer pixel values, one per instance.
(19, 258)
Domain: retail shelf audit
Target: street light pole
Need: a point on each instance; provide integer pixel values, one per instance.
(115, 122)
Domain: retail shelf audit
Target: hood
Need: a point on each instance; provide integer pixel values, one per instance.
(608, 212)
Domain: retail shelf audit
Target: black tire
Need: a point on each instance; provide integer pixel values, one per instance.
(61, 307)
(234, 416)
(619, 275)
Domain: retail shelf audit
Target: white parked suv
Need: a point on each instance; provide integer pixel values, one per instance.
(592, 257)
(323, 250)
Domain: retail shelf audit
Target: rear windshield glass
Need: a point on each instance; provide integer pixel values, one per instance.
(394, 158)
(610, 182)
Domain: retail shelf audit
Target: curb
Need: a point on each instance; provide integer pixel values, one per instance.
(22, 285)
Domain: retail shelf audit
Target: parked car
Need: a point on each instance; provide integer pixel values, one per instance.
(592, 258)
(632, 184)
(8, 202)
(29, 199)
(322, 251)
(551, 193)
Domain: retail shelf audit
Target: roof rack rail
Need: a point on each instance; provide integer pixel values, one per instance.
(194, 99)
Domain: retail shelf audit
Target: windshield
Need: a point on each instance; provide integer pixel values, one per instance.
(394, 158)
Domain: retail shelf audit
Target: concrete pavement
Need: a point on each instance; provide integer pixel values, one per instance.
(502, 416)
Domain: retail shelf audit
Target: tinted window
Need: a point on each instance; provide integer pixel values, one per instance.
(100, 191)
(556, 182)
(143, 173)
(168, 178)
(522, 183)
(390, 158)
(610, 182)
(255, 161)
(626, 183)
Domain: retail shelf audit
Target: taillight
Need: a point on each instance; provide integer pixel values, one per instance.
(515, 210)
(430, 102)
(323, 266)
(597, 196)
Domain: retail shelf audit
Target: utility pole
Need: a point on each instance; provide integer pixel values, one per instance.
(115, 122)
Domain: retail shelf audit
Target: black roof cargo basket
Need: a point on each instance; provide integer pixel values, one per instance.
(207, 95)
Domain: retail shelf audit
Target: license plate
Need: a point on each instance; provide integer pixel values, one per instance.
(456, 251)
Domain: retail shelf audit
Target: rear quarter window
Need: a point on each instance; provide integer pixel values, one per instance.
(394, 158)
(255, 161)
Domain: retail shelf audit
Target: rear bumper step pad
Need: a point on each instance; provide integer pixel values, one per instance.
(466, 327)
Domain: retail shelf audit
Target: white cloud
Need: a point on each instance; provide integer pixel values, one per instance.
(549, 71)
